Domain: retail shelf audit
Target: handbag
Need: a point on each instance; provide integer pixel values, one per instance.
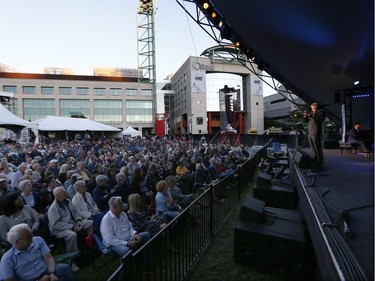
(90, 241)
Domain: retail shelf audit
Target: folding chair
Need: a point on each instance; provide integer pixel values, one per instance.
(104, 252)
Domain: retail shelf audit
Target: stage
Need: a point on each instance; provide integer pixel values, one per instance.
(343, 192)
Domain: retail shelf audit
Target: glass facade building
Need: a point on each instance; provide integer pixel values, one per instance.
(115, 101)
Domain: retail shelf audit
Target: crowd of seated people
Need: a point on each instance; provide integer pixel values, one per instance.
(61, 185)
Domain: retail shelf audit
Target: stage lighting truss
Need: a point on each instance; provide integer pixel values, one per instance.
(145, 6)
(215, 25)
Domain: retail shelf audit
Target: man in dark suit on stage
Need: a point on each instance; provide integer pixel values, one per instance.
(314, 119)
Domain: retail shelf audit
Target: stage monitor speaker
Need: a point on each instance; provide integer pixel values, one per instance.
(284, 197)
(264, 179)
(252, 209)
(279, 247)
(303, 159)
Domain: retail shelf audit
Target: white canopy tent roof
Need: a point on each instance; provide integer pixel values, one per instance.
(10, 121)
(56, 123)
(16, 124)
(130, 131)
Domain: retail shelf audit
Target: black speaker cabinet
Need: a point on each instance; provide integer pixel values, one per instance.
(278, 247)
(303, 159)
(252, 209)
(277, 196)
(264, 179)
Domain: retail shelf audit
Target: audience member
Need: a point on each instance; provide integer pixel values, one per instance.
(83, 171)
(122, 187)
(176, 193)
(111, 177)
(83, 201)
(30, 258)
(3, 189)
(66, 223)
(54, 167)
(73, 179)
(29, 198)
(138, 182)
(117, 231)
(7, 172)
(46, 195)
(17, 176)
(15, 212)
(202, 180)
(63, 176)
(140, 219)
(164, 202)
(102, 192)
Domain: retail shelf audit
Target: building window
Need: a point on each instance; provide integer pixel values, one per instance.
(65, 90)
(108, 111)
(138, 111)
(83, 91)
(75, 108)
(45, 90)
(146, 92)
(28, 90)
(99, 91)
(115, 91)
(34, 109)
(10, 89)
(199, 120)
(131, 92)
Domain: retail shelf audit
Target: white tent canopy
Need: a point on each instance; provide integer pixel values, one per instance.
(130, 131)
(10, 121)
(14, 123)
(56, 123)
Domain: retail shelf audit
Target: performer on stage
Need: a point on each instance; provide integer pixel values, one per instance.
(314, 119)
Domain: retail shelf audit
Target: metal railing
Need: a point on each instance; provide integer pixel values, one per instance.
(171, 253)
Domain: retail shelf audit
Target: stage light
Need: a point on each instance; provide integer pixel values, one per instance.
(237, 44)
(205, 5)
(220, 24)
(356, 83)
(213, 15)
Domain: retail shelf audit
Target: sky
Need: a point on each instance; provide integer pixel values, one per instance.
(83, 34)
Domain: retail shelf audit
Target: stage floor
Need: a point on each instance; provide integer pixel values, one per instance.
(345, 189)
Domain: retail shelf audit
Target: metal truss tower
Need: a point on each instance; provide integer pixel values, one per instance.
(146, 45)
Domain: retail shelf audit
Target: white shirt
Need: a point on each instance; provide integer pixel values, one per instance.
(81, 205)
(116, 230)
